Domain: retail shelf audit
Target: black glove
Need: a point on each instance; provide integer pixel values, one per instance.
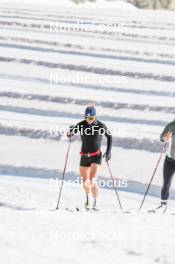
(107, 155)
(70, 132)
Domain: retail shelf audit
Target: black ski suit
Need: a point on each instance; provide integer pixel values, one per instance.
(91, 137)
(169, 163)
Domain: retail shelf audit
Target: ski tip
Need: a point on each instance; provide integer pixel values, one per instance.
(126, 211)
(151, 211)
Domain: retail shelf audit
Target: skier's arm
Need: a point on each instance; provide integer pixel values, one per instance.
(108, 135)
(109, 141)
(168, 132)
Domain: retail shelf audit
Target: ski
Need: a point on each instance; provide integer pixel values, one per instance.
(153, 211)
(78, 209)
(160, 209)
(92, 210)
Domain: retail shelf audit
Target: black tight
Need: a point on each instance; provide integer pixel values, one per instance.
(168, 172)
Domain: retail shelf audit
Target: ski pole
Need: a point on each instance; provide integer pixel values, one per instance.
(115, 188)
(63, 175)
(152, 177)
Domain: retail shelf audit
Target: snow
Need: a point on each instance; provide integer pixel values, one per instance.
(32, 160)
(33, 233)
(61, 3)
(109, 4)
(69, 4)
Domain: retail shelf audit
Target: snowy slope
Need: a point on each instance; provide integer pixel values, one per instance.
(138, 106)
(32, 232)
(68, 3)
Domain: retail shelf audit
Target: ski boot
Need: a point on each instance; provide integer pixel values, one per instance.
(162, 208)
(88, 204)
(95, 205)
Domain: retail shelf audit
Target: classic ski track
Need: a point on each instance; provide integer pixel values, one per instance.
(57, 114)
(84, 86)
(35, 13)
(90, 48)
(89, 69)
(85, 54)
(132, 37)
(68, 100)
(70, 19)
(153, 146)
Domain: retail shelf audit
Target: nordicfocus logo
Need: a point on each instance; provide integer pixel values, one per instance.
(80, 26)
(78, 235)
(102, 183)
(62, 131)
(90, 79)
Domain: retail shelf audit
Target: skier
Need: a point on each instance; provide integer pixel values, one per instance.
(168, 135)
(91, 131)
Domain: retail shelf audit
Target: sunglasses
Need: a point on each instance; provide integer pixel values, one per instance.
(91, 118)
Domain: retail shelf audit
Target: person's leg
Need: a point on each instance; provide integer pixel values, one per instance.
(168, 172)
(94, 170)
(85, 174)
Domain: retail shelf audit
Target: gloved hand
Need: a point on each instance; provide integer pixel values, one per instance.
(168, 136)
(107, 155)
(70, 132)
